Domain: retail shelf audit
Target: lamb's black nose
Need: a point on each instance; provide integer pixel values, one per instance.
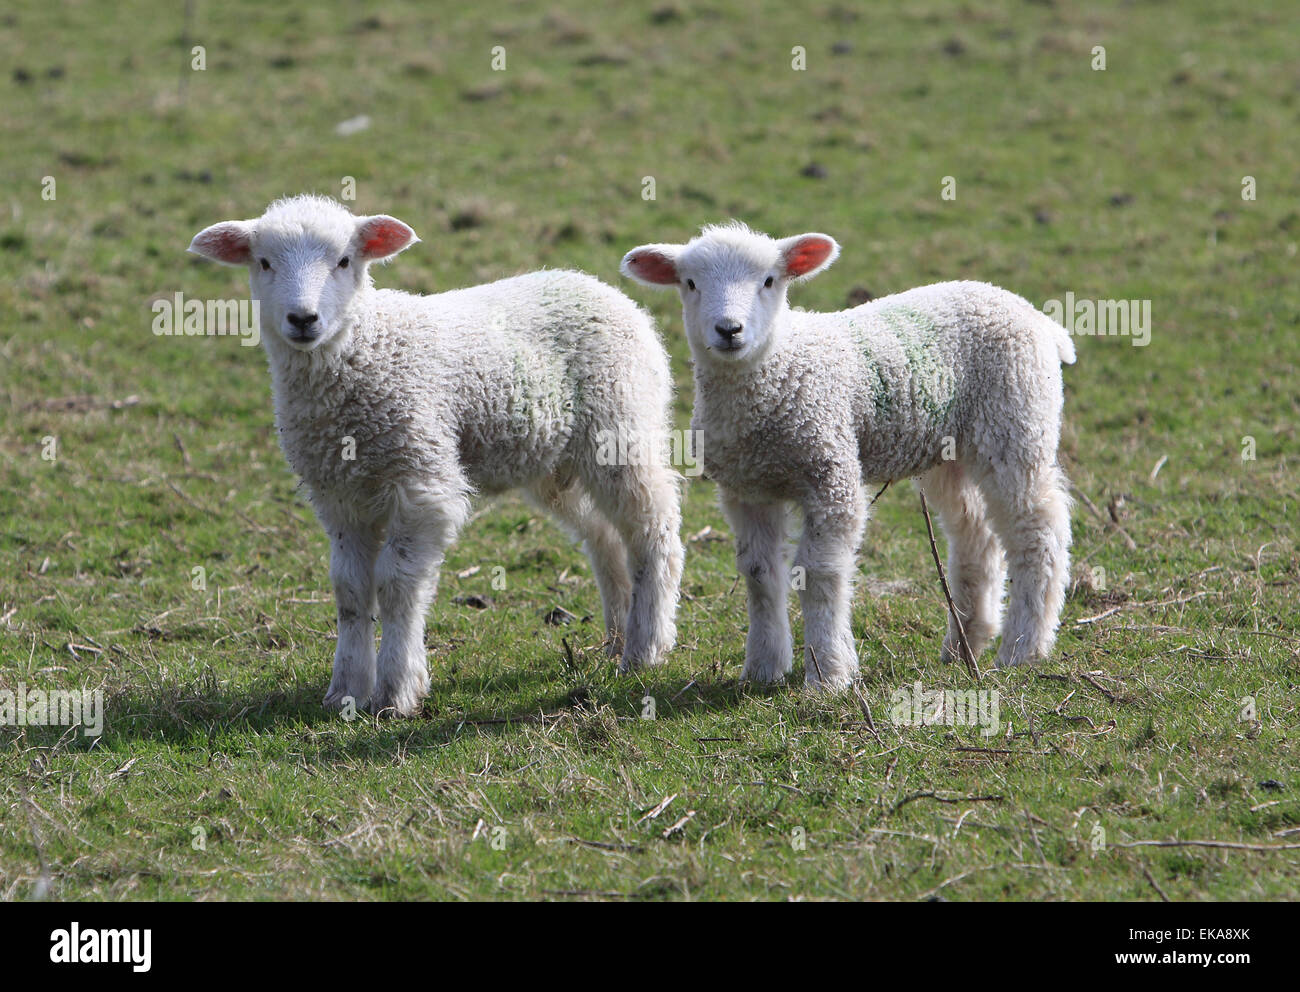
(302, 321)
(728, 328)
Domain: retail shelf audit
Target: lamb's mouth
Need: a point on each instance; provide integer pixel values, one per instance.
(303, 339)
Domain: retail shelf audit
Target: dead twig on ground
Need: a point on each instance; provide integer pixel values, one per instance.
(964, 645)
(1228, 845)
(944, 799)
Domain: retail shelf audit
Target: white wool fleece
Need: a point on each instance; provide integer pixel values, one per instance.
(958, 383)
(395, 409)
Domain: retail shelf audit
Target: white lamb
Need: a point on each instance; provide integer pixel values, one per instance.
(958, 383)
(395, 408)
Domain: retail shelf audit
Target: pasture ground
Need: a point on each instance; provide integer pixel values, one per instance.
(1169, 712)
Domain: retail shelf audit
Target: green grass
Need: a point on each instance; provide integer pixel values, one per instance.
(531, 772)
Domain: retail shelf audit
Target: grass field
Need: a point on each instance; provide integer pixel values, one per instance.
(1169, 712)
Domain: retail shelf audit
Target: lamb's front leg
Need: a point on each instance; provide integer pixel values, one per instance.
(760, 558)
(406, 579)
(825, 563)
(352, 572)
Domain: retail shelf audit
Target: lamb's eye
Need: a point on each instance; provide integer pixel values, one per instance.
(690, 283)
(768, 284)
(343, 262)
(266, 266)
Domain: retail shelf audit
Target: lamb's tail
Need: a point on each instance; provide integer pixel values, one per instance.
(1040, 325)
(1064, 343)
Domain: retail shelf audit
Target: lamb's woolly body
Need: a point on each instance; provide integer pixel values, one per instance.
(405, 406)
(511, 380)
(890, 381)
(957, 383)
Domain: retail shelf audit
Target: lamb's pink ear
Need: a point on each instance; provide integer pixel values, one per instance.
(654, 265)
(807, 254)
(229, 242)
(382, 237)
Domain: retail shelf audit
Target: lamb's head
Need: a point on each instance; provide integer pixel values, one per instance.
(307, 259)
(733, 284)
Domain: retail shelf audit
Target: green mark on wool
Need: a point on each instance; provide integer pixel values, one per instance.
(541, 397)
(882, 400)
(932, 384)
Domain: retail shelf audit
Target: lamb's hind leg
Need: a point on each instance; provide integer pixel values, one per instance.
(643, 501)
(577, 513)
(976, 570)
(406, 579)
(1032, 517)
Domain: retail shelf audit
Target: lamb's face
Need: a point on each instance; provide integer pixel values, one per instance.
(305, 282)
(307, 259)
(731, 296)
(733, 284)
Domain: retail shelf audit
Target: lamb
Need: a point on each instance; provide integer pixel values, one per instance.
(395, 409)
(958, 383)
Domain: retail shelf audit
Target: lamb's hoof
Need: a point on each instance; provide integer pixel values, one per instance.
(830, 682)
(770, 672)
(763, 678)
(1017, 658)
(398, 704)
(1017, 661)
(950, 653)
(646, 649)
(342, 700)
(833, 673)
(977, 638)
(402, 698)
(628, 663)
